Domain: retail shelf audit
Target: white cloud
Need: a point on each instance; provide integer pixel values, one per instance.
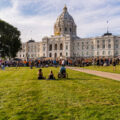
(90, 17)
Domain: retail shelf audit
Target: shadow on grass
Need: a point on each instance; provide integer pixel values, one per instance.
(64, 79)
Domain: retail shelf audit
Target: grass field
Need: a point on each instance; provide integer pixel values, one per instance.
(80, 97)
(104, 68)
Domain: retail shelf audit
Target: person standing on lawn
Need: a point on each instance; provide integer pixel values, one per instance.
(114, 64)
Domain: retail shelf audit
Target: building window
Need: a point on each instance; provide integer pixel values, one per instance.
(109, 45)
(50, 47)
(65, 29)
(82, 47)
(103, 41)
(50, 55)
(116, 53)
(103, 46)
(109, 40)
(98, 41)
(60, 54)
(55, 46)
(116, 41)
(55, 55)
(61, 46)
(97, 53)
(74, 54)
(44, 47)
(103, 53)
(87, 53)
(70, 30)
(116, 46)
(66, 47)
(91, 46)
(82, 54)
(66, 54)
(98, 46)
(109, 53)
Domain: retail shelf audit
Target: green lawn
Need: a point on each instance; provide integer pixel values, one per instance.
(81, 97)
(104, 68)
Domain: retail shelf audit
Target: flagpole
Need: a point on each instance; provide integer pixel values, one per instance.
(107, 27)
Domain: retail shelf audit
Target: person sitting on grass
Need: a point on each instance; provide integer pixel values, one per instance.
(40, 75)
(63, 70)
(51, 76)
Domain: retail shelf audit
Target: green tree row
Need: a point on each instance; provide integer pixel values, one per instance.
(10, 42)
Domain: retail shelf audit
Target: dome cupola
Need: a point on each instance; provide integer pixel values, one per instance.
(65, 24)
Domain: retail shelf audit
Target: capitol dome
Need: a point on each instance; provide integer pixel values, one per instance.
(65, 24)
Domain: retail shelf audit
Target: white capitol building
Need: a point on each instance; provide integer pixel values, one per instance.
(66, 44)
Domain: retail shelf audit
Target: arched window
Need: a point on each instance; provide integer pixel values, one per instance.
(66, 47)
(66, 54)
(55, 46)
(55, 55)
(60, 54)
(50, 55)
(61, 46)
(103, 52)
(109, 45)
(50, 47)
(109, 53)
(65, 29)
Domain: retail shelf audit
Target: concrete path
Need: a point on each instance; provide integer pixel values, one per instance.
(113, 76)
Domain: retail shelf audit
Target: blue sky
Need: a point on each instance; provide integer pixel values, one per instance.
(35, 18)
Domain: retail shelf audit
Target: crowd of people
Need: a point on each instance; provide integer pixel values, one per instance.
(50, 63)
(68, 62)
(38, 64)
(30, 63)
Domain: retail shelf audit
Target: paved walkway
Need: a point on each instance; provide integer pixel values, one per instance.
(113, 76)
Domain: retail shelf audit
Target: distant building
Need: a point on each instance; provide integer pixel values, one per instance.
(30, 50)
(66, 44)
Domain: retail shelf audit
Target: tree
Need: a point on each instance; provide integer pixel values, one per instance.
(10, 42)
